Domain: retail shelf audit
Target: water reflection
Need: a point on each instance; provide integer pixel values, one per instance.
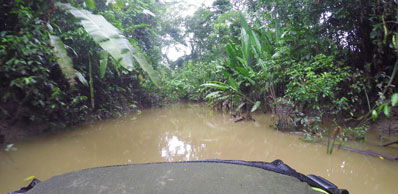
(175, 148)
(189, 132)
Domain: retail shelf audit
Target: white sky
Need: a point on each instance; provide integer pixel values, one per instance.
(173, 53)
(195, 4)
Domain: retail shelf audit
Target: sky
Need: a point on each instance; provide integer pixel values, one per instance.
(173, 53)
(196, 4)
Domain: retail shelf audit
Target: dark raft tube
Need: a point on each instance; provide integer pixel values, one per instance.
(208, 176)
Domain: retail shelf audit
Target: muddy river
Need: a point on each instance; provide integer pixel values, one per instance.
(188, 132)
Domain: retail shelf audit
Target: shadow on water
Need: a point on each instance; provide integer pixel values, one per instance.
(188, 132)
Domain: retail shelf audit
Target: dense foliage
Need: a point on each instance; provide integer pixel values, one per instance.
(303, 60)
(62, 61)
(47, 46)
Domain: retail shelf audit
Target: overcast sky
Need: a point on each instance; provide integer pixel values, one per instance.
(195, 4)
(173, 53)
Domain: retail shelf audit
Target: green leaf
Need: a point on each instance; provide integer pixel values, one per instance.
(81, 78)
(394, 99)
(112, 41)
(256, 42)
(141, 59)
(63, 60)
(91, 4)
(246, 46)
(387, 111)
(103, 63)
(374, 115)
(104, 33)
(233, 83)
(243, 71)
(240, 106)
(230, 51)
(213, 94)
(381, 107)
(242, 61)
(216, 86)
(121, 3)
(243, 22)
(255, 107)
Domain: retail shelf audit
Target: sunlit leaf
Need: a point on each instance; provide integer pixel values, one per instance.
(239, 107)
(216, 86)
(81, 78)
(245, 41)
(381, 107)
(119, 4)
(256, 42)
(91, 4)
(374, 115)
(103, 63)
(387, 111)
(394, 99)
(330, 148)
(255, 106)
(213, 94)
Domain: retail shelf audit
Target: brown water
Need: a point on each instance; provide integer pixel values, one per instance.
(189, 132)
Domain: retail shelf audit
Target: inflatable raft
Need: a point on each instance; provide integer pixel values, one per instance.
(194, 177)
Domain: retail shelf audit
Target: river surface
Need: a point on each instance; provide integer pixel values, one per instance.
(188, 132)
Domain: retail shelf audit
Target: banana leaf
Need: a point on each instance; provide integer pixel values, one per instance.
(111, 40)
(65, 62)
(103, 63)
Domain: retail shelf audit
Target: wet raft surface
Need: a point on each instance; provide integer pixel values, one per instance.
(173, 178)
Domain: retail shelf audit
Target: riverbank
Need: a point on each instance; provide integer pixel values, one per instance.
(12, 132)
(19, 132)
(381, 132)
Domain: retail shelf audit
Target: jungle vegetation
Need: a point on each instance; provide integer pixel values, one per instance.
(64, 62)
